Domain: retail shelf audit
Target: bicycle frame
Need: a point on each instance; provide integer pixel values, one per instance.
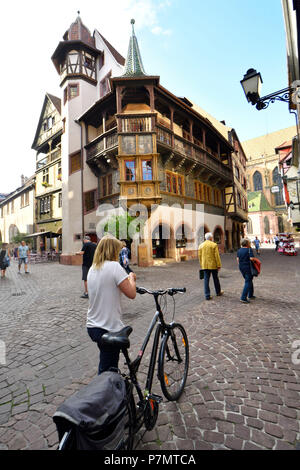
(133, 366)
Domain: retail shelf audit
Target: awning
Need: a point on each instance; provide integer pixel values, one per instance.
(42, 234)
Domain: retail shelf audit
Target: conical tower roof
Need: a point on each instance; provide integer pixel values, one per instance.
(79, 32)
(134, 65)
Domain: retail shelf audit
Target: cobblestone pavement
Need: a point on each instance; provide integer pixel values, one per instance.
(243, 389)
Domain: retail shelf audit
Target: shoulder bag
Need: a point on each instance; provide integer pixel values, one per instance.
(201, 273)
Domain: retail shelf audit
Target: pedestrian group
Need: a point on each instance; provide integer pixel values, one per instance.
(210, 263)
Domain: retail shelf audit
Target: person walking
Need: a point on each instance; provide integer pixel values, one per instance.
(107, 280)
(124, 257)
(23, 256)
(244, 258)
(4, 259)
(88, 250)
(257, 244)
(210, 262)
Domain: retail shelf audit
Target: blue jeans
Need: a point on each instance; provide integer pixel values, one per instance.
(109, 357)
(248, 290)
(207, 273)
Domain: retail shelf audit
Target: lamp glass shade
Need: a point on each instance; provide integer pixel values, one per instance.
(251, 84)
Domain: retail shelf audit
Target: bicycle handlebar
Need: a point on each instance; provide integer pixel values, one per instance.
(170, 291)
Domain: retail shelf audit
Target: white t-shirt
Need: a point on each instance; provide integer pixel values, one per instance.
(105, 296)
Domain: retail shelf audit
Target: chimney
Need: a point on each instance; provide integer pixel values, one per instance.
(22, 180)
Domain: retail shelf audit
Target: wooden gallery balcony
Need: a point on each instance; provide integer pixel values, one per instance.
(104, 143)
(199, 157)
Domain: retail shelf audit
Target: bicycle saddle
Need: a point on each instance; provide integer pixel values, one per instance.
(117, 338)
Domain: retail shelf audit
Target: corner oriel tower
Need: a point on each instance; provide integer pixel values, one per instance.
(84, 62)
(75, 59)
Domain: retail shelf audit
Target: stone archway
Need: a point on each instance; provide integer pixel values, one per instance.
(163, 241)
(201, 233)
(219, 238)
(13, 231)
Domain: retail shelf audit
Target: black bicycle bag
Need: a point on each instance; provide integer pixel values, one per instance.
(95, 414)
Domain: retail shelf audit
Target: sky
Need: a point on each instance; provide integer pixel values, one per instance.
(200, 50)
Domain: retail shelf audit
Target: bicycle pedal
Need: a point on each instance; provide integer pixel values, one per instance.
(156, 398)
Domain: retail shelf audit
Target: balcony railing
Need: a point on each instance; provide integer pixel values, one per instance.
(164, 136)
(50, 157)
(136, 123)
(102, 143)
(200, 154)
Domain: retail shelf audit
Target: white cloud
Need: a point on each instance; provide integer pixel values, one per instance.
(159, 30)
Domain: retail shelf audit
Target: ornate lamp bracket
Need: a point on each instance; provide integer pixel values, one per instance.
(281, 95)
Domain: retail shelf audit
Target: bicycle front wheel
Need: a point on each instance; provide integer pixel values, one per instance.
(173, 362)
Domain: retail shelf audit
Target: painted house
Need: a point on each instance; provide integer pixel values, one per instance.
(129, 143)
(48, 176)
(17, 211)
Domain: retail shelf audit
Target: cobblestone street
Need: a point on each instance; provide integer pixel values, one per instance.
(243, 389)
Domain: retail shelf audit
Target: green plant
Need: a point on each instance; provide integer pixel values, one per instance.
(20, 237)
(123, 226)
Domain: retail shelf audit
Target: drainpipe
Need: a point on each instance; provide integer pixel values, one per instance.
(81, 180)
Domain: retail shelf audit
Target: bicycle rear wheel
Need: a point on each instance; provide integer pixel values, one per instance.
(173, 362)
(130, 423)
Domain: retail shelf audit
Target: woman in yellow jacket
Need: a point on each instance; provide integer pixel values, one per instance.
(210, 261)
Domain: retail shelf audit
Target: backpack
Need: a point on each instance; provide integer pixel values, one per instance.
(96, 414)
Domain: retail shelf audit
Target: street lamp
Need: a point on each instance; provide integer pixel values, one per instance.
(251, 84)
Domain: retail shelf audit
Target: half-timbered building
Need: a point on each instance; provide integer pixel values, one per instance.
(128, 140)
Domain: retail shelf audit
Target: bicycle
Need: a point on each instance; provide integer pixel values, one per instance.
(173, 364)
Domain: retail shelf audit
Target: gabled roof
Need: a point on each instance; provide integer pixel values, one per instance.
(57, 104)
(29, 183)
(265, 145)
(119, 58)
(257, 202)
(56, 101)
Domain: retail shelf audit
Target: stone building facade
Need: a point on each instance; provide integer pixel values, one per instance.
(263, 175)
